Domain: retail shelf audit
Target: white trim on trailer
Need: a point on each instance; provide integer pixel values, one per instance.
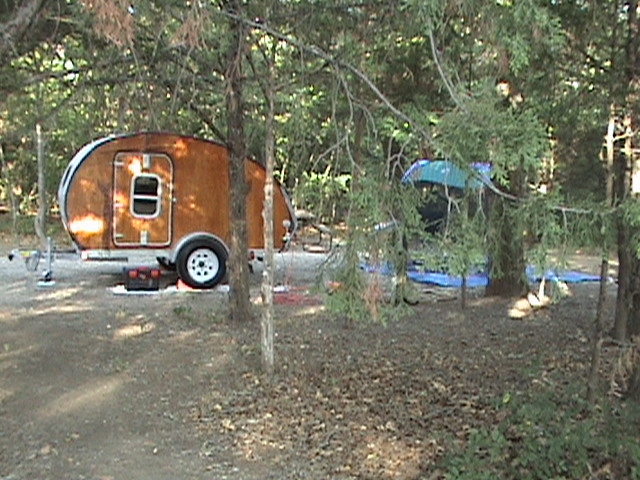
(122, 254)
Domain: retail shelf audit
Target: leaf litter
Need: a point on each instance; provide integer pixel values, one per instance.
(369, 401)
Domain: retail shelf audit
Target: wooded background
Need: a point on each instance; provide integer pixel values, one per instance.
(545, 91)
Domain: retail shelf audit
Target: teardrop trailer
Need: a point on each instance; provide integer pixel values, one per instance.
(168, 196)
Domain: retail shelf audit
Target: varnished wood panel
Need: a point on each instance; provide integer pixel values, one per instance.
(200, 191)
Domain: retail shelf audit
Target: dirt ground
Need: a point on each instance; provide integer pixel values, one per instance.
(100, 385)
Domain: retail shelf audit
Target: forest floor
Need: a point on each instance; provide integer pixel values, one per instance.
(99, 385)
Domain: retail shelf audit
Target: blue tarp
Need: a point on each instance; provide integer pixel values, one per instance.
(481, 279)
(446, 280)
(445, 172)
(567, 276)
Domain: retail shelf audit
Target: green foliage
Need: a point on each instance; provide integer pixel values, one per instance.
(379, 220)
(23, 234)
(348, 301)
(550, 435)
(553, 228)
(545, 228)
(322, 193)
(465, 247)
(527, 30)
(488, 131)
(431, 12)
(460, 247)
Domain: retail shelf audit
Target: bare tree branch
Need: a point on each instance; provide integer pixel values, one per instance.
(443, 75)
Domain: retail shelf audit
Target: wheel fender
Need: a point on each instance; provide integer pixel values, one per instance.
(196, 236)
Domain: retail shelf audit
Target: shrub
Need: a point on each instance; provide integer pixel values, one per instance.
(551, 435)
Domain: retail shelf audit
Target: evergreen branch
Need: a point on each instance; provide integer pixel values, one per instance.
(318, 52)
(40, 77)
(195, 108)
(204, 118)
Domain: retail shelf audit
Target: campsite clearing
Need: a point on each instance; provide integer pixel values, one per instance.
(104, 386)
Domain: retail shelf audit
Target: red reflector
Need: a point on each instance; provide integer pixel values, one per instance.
(142, 278)
(252, 255)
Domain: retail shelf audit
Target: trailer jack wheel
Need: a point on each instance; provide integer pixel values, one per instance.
(202, 263)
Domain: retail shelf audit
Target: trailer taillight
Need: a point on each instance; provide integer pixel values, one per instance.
(142, 278)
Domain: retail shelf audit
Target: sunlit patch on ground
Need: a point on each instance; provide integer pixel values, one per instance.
(130, 331)
(387, 456)
(58, 294)
(8, 352)
(5, 393)
(308, 311)
(60, 309)
(90, 395)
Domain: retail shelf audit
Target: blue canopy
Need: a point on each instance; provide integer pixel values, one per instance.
(447, 173)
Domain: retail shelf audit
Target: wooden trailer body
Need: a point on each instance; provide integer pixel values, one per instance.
(167, 195)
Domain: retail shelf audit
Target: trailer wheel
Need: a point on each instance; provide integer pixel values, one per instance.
(202, 263)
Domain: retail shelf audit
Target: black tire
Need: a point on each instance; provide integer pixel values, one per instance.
(202, 263)
(166, 264)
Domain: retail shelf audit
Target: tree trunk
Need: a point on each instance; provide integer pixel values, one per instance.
(240, 305)
(267, 217)
(623, 298)
(598, 327)
(610, 154)
(17, 24)
(634, 384)
(463, 292)
(41, 217)
(627, 321)
(8, 184)
(598, 331)
(633, 294)
(507, 276)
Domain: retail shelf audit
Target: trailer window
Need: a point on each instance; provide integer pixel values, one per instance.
(145, 196)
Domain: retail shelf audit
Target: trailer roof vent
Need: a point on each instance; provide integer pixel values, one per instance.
(145, 198)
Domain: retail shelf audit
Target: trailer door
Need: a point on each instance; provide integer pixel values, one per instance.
(142, 200)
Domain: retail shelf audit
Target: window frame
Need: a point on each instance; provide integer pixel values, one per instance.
(157, 197)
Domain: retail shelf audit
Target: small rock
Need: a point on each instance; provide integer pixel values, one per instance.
(46, 450)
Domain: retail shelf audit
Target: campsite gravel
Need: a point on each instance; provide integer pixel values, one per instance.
(95, 384)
